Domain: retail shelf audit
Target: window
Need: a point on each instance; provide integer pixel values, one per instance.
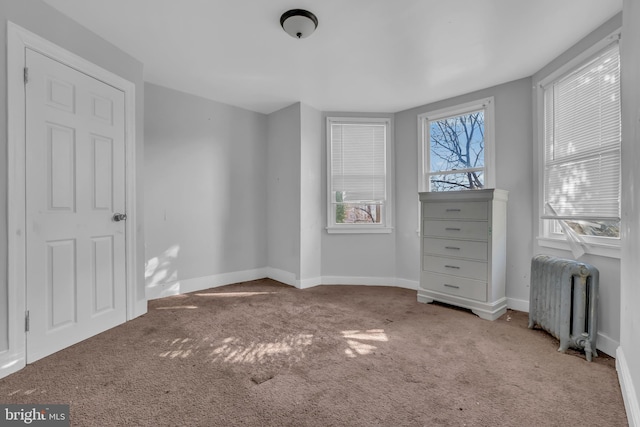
(582, 136)
(359, 178)
(456, 144)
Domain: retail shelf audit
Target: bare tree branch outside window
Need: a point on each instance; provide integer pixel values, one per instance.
(457, 152)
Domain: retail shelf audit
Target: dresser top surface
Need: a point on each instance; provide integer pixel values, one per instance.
(464, 195)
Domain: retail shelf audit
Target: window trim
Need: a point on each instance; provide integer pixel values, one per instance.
(386, 226)
(609, 250)
(486, 104)
(596, 245)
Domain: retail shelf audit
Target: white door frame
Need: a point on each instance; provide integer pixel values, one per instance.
(18, 39)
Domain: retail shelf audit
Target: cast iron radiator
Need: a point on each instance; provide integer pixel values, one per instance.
(563, 301)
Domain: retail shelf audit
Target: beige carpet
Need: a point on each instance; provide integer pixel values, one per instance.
(264, 354)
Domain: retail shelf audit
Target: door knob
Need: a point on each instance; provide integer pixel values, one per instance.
(119, 217)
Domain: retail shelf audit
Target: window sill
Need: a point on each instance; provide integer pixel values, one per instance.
(598, 249)
(359, 230)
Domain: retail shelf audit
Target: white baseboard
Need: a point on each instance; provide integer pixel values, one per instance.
(282, 276)
(358, 280)
(518, 304)
(11, 361)
(309, 283)
(407, 284)
(289, 278)
(631, 403)
(139, 309)
(607, 345)
(350, 280)
(202, 283)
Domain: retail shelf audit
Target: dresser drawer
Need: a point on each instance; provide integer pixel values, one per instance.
(456, 210)
(452, 285)
(455, 248)
(456, 267)
(456, 229)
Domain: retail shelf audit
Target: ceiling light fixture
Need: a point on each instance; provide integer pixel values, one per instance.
(299, 23)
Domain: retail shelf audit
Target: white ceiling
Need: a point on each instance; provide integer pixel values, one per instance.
(365, 56)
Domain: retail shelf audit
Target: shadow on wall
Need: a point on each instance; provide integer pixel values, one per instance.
(161, 272)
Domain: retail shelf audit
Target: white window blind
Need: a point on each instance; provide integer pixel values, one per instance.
(358, 162)
(582, 132)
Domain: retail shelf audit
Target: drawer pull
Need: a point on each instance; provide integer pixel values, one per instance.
(452, 266)
(454, 210)
(452, 229)
(452, 248)
(452, 286)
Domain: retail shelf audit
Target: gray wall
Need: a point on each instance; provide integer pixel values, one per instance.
(630, 284)
(205, 192)
(609, 301)
(283, 181)
(311, 200)
(513, 148)
(48, 23)
(358, 257)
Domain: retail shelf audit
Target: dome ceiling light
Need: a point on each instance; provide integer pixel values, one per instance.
(299, 23)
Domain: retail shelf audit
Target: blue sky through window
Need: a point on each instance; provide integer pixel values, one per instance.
(456, 146)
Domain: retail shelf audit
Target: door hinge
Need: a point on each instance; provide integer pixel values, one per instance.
(26, 75)
(26, 321)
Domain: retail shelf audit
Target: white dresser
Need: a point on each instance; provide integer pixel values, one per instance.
(463, 250)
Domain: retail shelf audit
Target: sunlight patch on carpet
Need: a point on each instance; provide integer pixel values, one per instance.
(181, 348)
(233, 294)
(26, 392)
(355, 342)
(235, 350)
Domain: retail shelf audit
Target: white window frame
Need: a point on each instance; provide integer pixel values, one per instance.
(424, 144)
(596, 245)
(386, 226)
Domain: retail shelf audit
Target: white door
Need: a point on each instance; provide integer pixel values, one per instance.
(75, 183)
